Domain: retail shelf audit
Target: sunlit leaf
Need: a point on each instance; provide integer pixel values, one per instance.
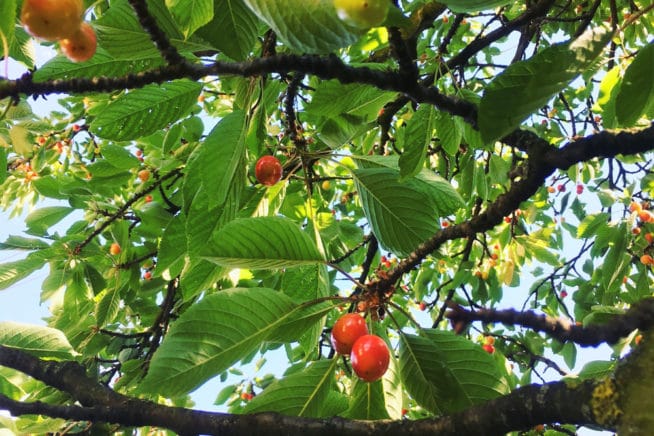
(305, 26)
(212, 335)
(299, 394)
(526, 86)
(636, 95)
(39, 341)
(146, 110)
(261, 243)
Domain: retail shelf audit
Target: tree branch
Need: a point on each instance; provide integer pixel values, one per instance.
(639, 316)
(520, 410)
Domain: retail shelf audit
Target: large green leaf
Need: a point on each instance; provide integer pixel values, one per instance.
(199, 275)
(300, 394)
(476, 371)
(120, 33)
(39, 221)
(238, 29)
(212, 335)
(144, 111)
(393, 389)
(449, 132)
(473, 5)
(417, 137)
(7, 24)
(304, 319)
(446, 373)
(37, 340)
(101, 64)
(404, 214)
(220, 155)
(308, 283)
(15, 242)
(636, 95)
(332, 99)
(261, 243)
(191, 14)
(170, 257)
(367, 401)
(305, 26)
(11, 272)
(526, 86)
(107, 306)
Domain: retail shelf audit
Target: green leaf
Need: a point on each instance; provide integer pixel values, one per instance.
(7, 25)
(37, 340)
(449, 133)
(11, 272)
(636, 95)
(459, 6)
(3, 164)
(333, 99)
(393, 390)
(238, 29)
(14, 242)
(608, 91)
(367, 401)
(591, 223)
(191, 14)
(107, 306)
(307, 283)
(220, 155)
(199, 275)
(403, 215)
(171, 254)
(526, 86)
(261, 243)
(301, 320)
(213, 334)
(101, 64)
(416, 140)
(305, 26)
(299, 394)
(446, 373)
(144, 111)
(597, 369)
(40, 220)
(119, 157)
(121, 34)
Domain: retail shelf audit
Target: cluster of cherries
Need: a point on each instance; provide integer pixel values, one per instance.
(369, 354)
(60, 20)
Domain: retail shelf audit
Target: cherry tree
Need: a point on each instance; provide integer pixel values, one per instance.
(224, 180)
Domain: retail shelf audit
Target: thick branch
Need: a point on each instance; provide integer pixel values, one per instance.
(325, 67)
(521, 409)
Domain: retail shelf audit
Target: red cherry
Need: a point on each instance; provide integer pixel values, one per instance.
(268, 170)
(148, 199)
(560, 188)
(347, 329)
(147, 275)
(580, 189)
(490, 349)
(422, 306)
(370, 357)
(564, 294)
